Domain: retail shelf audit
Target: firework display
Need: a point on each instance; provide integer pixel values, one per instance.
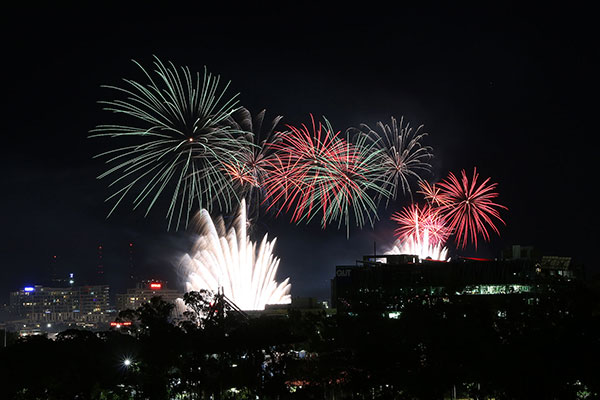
(431, 193)
(402, 154)
(318, 172)
(469, 207)
(187, 143)
(179, 142)
(460, 208)
(228, 259)
(251, 166)
(184, 142)
(418, 222)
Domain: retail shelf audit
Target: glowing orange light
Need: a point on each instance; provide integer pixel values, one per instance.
(119, 324)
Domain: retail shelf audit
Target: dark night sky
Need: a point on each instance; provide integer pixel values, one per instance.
(505, 89)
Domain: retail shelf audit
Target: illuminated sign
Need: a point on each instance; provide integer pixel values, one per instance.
(120, 324)
(155, 285)
(29, 288)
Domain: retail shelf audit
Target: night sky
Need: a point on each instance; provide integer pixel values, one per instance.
(506, 89)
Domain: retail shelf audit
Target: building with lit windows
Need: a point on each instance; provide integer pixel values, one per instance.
(143, 292)
(387, 283)
(62, 305)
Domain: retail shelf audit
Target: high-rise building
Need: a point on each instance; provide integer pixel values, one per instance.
(54, 274)
(100, 278)
(131, 264)
(62, 304)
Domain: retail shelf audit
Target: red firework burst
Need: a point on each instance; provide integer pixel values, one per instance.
(416, 222)
(316, 171)
(469, 208)
(301, 165)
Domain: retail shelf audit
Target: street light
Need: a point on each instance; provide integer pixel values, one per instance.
(127, 362)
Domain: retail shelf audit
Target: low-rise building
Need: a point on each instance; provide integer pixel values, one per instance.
(387, 283)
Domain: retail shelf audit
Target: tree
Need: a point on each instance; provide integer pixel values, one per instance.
(198, 304)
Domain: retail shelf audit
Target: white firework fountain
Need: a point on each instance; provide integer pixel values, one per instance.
(228, 260)
(420, 246)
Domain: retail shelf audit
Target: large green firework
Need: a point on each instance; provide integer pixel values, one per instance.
(175, 141)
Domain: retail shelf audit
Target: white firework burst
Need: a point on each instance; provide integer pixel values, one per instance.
(421, 247)
(228, 259)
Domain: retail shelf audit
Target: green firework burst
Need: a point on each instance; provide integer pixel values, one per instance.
(177, 141)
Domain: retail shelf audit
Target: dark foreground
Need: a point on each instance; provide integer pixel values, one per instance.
(437, 348)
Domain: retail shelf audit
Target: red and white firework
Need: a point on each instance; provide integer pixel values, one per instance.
(316, 171)
(416, 222)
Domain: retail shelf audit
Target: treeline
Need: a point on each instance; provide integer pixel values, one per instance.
(465, 347)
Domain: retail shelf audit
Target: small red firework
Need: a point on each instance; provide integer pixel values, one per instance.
(416, 222)
(241, 174)
(469, 208)
(431, 193)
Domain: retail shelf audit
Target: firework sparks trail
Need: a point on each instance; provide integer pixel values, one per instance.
(178, 142)
(250, 169)
(431, 193)
(402, 155)
(318, 172)
(229, 259)
(469, 207)
(417, 222)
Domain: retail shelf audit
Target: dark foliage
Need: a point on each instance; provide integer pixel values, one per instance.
(472, 346)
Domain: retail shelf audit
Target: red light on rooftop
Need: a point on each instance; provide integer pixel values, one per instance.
(476, 259)
(155, 285)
